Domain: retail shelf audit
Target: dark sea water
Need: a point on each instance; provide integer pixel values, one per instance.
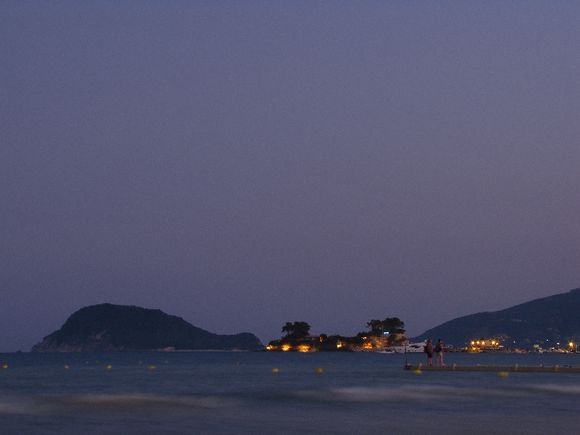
(240, 393)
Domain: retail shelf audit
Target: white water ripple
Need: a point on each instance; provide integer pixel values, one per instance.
(36, 405)
(417, 393)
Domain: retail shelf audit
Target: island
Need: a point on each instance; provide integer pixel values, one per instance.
(381, 336)
(109, 327)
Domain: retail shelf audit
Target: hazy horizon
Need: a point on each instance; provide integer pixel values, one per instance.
(243, 164)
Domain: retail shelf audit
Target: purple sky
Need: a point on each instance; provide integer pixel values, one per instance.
(244, 164)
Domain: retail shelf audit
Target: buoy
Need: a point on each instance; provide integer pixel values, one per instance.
(418, 372)
(4, 366)
(318, 370)
(503, 374)
(66, 367)
(109, 367)
(151, 366)
(275, 370)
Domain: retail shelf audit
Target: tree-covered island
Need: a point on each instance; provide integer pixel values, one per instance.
(380, 335)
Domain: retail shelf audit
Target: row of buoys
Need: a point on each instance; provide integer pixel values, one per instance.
(149, 367)
(109, 367)
(317, 370)
(502, 374)
(67, 367)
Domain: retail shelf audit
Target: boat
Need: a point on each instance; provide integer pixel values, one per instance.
(410, 347)
(386, 350)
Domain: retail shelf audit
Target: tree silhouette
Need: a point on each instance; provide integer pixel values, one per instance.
(288, 328)
(296, 329)
(390, 324)
(393, 325)
(375, 326)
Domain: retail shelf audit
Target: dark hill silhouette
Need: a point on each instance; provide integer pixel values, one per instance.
(108, 327)
(553, 318)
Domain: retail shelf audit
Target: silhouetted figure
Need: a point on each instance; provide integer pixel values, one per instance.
(439, 351)
(428, 349)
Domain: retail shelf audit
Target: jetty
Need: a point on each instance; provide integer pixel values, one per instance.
(515, 368)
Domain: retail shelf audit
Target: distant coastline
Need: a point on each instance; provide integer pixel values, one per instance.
(543, 325)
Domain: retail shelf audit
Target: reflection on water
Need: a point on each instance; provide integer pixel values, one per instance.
(313, 393)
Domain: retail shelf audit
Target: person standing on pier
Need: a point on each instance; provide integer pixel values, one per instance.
(428, 349)
(439, 351)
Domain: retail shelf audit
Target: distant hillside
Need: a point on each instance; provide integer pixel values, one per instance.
(554, 318)
(108, 327)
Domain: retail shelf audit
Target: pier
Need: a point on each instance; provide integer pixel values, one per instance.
(516, 368)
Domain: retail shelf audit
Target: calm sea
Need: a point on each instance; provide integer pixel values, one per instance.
(252, 393)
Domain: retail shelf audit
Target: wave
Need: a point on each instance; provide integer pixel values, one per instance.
(123, 402)
(137, 400)
(51, 404)
(557, 389)
(14, 408)
(405, 393)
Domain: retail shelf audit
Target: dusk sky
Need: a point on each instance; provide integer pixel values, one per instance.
(241, 164)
